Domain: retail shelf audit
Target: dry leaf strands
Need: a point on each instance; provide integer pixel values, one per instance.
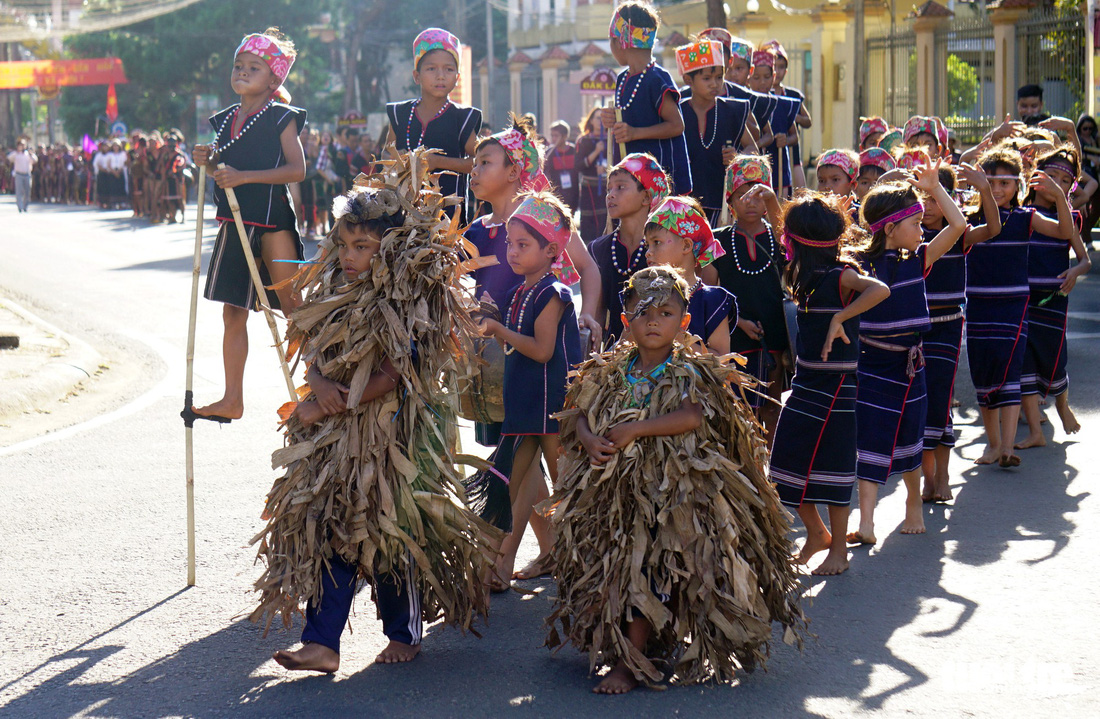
(377, 485)
(691, 516)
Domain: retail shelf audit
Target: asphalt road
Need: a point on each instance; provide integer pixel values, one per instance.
(992, 613)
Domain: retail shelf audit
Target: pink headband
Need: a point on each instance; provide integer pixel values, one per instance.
(524, 154)
(764, 58)
(788, 248)
(544, 219)
(684, 221)
(897, 216)
(265, 47)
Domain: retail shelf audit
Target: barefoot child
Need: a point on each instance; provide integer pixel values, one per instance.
(1051, 280)
(433, 121)
(814, 453)
(662, 489)
(677, 234)
(541, 344)
(646, 95)
(257, 140)
(891, 400)
(997, 295)
(369, 447)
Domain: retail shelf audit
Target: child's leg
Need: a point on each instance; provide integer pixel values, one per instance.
(533, 493)
(818, 538)
(402, 622)
(1070, 425)
(836, 561)
(620, 679)
(234, 354)
(325, 622)
(991, 421)
(281, 246)
(942, 480)
(928, 469)
(526, 458)
(868, 498)
(1010, 415)
(914, 506)
(1030, 405)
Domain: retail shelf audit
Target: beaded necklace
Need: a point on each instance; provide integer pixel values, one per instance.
(618, 91)
(229, 124)
(697, 285)
(408, 125)
(515, 318)
(737, 260)
(714, 130)
(631, 262)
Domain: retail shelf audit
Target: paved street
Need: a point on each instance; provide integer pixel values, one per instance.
(992, 613)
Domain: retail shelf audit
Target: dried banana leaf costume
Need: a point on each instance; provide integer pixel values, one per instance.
(374, 488)
(691, 517)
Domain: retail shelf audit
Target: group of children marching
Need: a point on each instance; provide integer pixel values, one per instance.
(663, 521)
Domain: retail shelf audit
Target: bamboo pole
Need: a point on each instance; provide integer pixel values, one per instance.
(254, 272)
(189, 449)
(622, 145)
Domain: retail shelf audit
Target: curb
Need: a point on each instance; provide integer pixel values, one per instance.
(53, 380)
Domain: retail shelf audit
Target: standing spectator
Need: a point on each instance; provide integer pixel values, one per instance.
(1029, 105)
(591, 163)
(561, 165)
(362, 159)
(22, 161)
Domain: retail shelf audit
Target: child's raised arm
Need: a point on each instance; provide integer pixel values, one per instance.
(928, 181)
(1062, 228)
(685, 419)
(992, 227)
(540, 348)
(871, 292)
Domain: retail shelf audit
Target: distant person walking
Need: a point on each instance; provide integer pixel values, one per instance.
(22, 161)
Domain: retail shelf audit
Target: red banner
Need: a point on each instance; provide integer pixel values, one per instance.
(61, 73)
(112, 103)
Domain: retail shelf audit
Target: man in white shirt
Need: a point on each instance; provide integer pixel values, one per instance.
(22, 161)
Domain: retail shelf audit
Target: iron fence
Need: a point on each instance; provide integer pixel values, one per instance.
(1051, 47)
(963, 75)
(891, 77)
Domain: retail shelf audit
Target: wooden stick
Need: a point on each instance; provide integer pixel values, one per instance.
(259, 286)
(622, 145)
(190, 375)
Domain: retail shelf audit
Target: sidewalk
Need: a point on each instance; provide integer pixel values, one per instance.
(46, 367)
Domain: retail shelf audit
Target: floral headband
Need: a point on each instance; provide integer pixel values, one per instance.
(435, 38)
(683, 220)
(890, 140)
(846, 160)
(699, 55)
(265, 47)
(877, 157)
(542, 218)
(776, 47)
(916, 209)
(629, 36)
(645, 169)
(920, 124)
(719, 34)
(764, 58)
(525, 155)
(914, 157)
(747, 170)
(870, 126)
(742, 49)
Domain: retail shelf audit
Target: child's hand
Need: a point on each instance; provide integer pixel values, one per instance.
(621, 435)
(201, 154)
(595, 330)
(1058, 124)
(489, 327)
(622, 132)
(1069, 278)
(1008, 128)
(601, 147)
(1045, 185)
(599, 449)
(607, 116)
(780, 140)
(764, 192)
(974, 177)
(331, 396)
(728, 153)
(836, 331)
(309, 413)
(229, 177)
(926, 177)
(754, 330)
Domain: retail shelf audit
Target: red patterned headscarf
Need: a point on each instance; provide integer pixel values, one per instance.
(267, 49)
(524, 153)
(543, 218)
(681, 218)
(644, 168)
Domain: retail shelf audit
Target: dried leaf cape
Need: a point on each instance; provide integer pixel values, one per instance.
(691, 516)
(376, 485)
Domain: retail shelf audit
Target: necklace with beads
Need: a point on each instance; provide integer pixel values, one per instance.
(631, 261)
(618, 92)
(229, 124)
(517, 316)
(697, 285)
(737, 260)
(408, 125)
(714, 130)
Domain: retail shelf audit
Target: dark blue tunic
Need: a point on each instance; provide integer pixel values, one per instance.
(641, 96)
(725, 124)
(499, 280)
(616, 268)
(708, 307)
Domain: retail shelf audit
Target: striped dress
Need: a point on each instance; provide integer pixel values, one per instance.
(1044, 370)
(891, 404)
(997, 294)
(814, 453)
(945, 287)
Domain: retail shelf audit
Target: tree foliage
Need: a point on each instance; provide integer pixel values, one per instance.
(962, 84)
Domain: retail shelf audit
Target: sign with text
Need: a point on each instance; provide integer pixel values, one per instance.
(48, 74)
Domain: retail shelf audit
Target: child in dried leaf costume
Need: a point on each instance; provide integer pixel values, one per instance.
(370, 490)
(671, 544)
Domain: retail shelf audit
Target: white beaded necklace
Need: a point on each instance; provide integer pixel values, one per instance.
(423, 126)
(631, 261)
(527, 295)
(618, 91)
(229, 124)
(714, 130)
(697, 285)
(736, 259)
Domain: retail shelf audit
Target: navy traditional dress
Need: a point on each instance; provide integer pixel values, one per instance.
(616, 266)
(264, 207)
(760, 103)
(535, 390)
(997, 294)
(891, 400)
(448, 131)
(725, 124)
(708, 307)
(1044, 369)
(783, 116)
(814, 453)
(945, 288)
(641, 96)
(751, 271)
(794, 152)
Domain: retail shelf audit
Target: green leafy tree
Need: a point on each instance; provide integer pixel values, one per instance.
(962, 84)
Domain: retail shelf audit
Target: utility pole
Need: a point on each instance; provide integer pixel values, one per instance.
(490, 69)
(858, 63)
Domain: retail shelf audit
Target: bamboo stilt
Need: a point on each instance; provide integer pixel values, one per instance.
(622, 145)
(189, 447)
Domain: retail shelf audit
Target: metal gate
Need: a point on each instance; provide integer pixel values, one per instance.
(1051, 46)
(963, 75)
(891, 77)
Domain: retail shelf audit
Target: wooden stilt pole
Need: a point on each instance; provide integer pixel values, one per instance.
(190, 375)
(622, 145)
(254, 272)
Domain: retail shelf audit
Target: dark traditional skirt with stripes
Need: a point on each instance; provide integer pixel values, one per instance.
(814, 454)
(759, 364)
(891, 408)
(942, 345)
(227, 278)
(996, 337)
(487, 491)
(1044, 370)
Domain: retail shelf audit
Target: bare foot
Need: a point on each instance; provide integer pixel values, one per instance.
(943, 491)
(1070, 425)
(817, 542)
(991, 456)
(310, 658)
(928, 494)
(619, 680)
(1032, 440)
(541, 567)
(1009, 460)
(397, 653)
(222, 408)
(835, 563)
(860, 538)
